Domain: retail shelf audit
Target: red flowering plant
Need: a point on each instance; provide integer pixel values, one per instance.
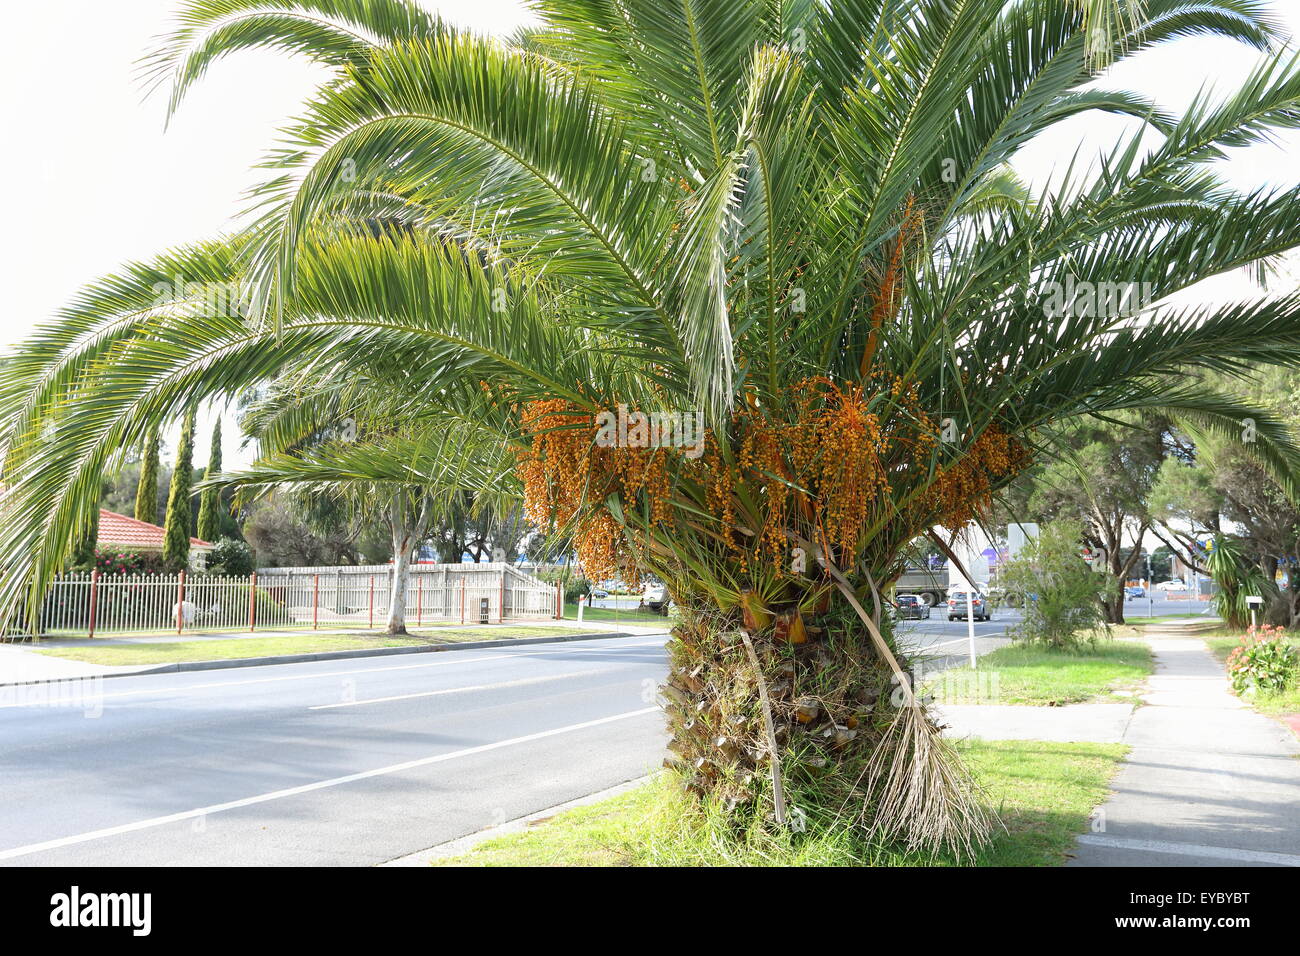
(1264, 662)
(112, 561)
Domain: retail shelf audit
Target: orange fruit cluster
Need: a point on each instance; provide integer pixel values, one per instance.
(567, 478)
(964, 489)
(835, 462)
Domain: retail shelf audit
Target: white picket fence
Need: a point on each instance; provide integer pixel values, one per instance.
(283, 599)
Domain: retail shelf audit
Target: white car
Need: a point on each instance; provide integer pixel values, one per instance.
(655, 597)
(1174, 585)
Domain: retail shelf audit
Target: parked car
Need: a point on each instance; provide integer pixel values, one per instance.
(1175, 585)
(599, 593)
(911, 607)
(1135, 591)
(979, 606)
(1000, 597)
(655, 597)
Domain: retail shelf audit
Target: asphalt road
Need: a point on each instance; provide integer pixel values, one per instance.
(327, 763)
(350, 762)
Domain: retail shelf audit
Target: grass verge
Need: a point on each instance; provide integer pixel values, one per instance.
(234, 648)
(1275, 705)
(1020, 674)
(625, 615)
(1042, 792)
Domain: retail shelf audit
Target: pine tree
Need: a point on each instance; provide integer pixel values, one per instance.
(146, 492)
(176, 541)
(209, 502)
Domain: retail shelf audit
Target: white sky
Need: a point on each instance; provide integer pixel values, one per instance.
(96, 181)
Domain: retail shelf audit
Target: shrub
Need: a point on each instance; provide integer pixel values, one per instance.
(231, 556)
(1062, 595)
(1263, 663)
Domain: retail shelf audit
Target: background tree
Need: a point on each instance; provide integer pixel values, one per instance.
(1223, 489)
(485, 534)
(176, 527)
(1102, 480)
(426, 488)
(84, 553)
(146, 494)
(209, 526)
(282, 535)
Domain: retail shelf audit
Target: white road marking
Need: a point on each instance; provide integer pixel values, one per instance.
(309, 787)
(522, 682)
(960, 640)
(1193, 849)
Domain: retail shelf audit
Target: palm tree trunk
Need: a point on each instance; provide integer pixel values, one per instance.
(826, 704)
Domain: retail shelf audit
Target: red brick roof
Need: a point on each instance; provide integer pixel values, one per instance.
(119, 531)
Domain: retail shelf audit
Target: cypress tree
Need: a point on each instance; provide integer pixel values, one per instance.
(209, 501)
(176, 541)
(146, 492)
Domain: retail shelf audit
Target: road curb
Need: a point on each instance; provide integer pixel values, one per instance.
(185, 666)
(442, 851)
(1186, 627)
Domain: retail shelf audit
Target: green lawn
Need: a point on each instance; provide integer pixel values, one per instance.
(1019, 674)
(309, 642)
(1276, 705)
(1043, 793)
(1161, 618)
(626, 615)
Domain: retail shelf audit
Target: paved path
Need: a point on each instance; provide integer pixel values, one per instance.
(1208, 782)
(1098, 723)
(19, 664)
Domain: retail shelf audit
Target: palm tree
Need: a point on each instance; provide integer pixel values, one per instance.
(796, 220)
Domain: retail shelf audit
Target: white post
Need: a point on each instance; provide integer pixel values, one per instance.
(1254, 601)
(582, 602)
(970, 622)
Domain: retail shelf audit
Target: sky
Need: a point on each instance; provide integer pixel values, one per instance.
(96, 180)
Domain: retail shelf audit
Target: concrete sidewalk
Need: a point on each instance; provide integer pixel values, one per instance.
(1209, 782)
(1096, 723)
(20, 665)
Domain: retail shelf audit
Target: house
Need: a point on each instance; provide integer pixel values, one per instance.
(131, 534)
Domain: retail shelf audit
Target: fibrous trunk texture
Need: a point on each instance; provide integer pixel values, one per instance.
(851, 747)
